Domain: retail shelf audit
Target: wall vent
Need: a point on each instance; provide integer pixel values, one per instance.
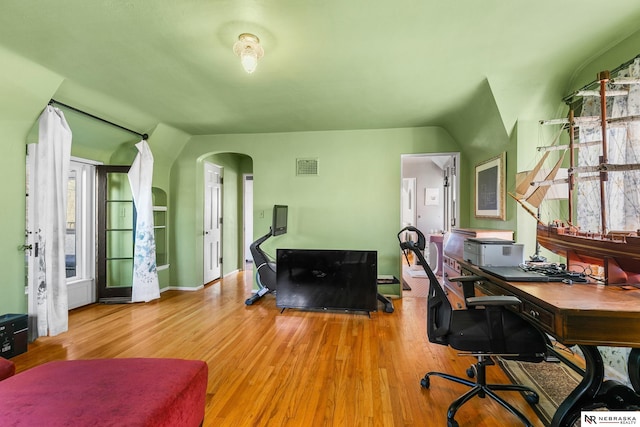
(307, 167)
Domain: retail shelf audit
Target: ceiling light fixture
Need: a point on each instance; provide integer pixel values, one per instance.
(249, 50)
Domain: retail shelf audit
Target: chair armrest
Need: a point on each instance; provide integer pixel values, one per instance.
(497, 300)
(465, 278)
(468, 285)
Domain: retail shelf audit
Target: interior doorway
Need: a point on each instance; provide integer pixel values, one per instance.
(429, 197)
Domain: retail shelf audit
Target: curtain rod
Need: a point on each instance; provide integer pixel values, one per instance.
(567, 99)
(141, 135)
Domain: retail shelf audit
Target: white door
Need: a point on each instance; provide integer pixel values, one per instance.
(247, 216)
(450, 194)
(79, 240)
(408, 202)
(212, 222)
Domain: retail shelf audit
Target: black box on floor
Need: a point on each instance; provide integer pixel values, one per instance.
(13, 334)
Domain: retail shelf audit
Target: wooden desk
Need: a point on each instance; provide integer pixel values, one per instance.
(587, 315)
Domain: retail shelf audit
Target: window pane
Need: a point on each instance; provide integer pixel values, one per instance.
(119, 273)
(119, 244)
(120, 215)
(70, 247)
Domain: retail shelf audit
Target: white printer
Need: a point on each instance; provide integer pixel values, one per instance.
(491, 251)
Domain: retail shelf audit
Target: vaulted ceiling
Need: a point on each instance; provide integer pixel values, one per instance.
(328, 64)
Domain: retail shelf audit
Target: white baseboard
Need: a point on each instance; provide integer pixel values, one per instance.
(181, 288)
(197, 288)
(236, 271)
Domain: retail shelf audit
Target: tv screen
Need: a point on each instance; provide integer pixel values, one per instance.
(279, 225)
(327, 279)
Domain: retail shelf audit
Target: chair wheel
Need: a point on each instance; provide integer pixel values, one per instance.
(471, 372)
(452, 423)
(425, 382)
(532, 398)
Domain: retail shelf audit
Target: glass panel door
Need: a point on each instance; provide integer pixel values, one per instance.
(116, 219)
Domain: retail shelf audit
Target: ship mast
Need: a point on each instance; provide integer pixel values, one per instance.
(604, 79)
(571, 181)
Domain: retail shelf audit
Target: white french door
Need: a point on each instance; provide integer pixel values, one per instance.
(80, 231)
(212, 252)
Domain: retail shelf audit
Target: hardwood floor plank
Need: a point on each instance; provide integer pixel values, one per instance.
(296, 368)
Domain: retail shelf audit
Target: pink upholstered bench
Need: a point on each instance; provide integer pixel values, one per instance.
(7, 368)
(106, 392)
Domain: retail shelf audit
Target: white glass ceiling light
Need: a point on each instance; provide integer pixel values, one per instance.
(249, 50)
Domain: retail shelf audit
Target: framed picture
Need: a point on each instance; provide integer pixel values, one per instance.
(490, 188)
(431, 196)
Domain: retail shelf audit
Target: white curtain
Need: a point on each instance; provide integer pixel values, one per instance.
(146, 286)
(48, 302)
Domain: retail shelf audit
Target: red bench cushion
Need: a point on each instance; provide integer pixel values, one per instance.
(7, 368)
(106, 392)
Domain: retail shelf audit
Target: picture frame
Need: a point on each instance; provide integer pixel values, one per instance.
(431, 196)
(490, 188)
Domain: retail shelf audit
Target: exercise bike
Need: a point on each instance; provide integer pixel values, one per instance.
(265, 269)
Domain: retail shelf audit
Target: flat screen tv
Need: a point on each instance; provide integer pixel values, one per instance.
(327, 279)
(279, 220)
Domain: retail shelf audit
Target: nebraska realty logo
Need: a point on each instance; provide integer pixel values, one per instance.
(624, 418)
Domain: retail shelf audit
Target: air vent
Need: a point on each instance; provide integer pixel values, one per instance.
(307, 167)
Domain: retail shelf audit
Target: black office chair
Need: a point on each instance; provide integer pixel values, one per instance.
(486, 328)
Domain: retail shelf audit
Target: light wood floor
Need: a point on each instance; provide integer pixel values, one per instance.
(285, 369)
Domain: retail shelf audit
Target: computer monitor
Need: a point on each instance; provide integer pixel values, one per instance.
(279, 225)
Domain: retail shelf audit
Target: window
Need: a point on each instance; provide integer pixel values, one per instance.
(79, 241)
(70, 243)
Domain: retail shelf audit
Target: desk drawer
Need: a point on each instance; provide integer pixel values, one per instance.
(539, 315)
(452, 264)
(542, 316)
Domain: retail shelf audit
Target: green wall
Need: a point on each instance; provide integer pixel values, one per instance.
(354, 202)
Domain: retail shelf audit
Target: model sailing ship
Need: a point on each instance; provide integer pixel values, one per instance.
(614, 254)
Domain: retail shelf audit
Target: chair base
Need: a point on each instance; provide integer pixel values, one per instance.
(482, 389)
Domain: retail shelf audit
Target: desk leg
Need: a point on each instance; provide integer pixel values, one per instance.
(593, 392)
(585, 394)
(633, 365)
